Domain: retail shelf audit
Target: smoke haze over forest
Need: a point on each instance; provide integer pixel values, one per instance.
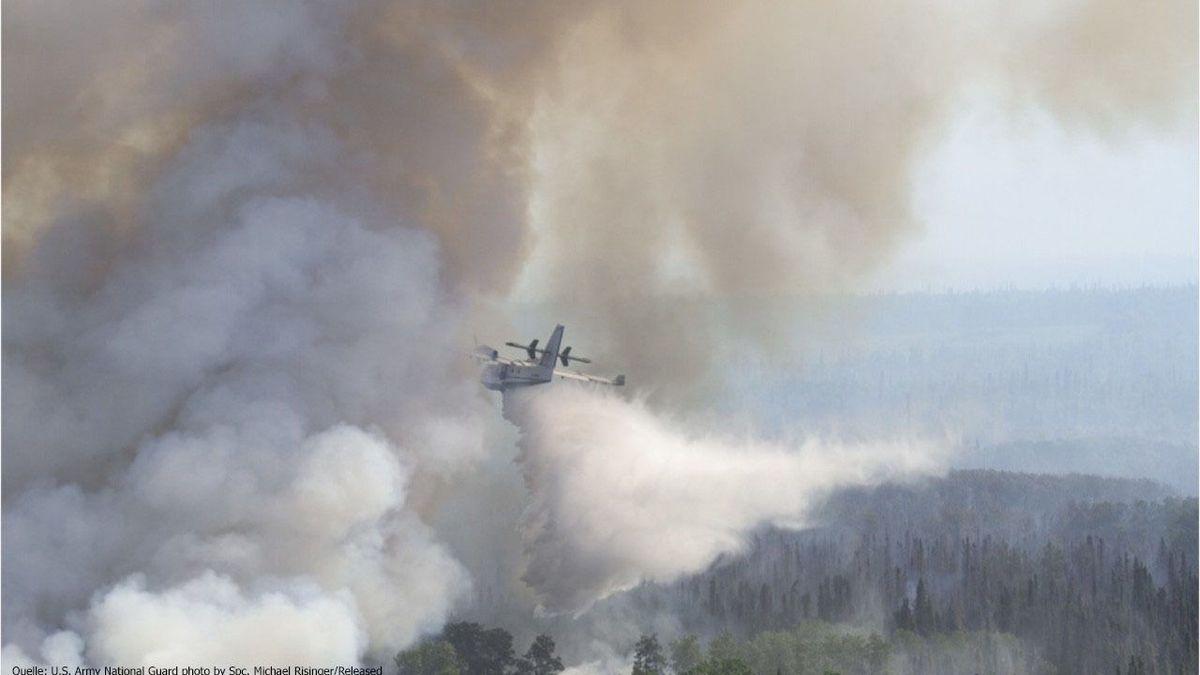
(243, 242)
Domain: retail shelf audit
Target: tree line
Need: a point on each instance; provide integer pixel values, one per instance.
(1086, 587)
(466, 648)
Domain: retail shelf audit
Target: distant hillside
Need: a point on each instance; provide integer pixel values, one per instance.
(1176, 464)
(980, 503)
(1087, 380)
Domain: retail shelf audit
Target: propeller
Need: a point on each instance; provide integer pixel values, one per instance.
(565, 356)
(530, 349)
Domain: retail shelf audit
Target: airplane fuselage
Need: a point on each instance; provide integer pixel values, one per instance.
(502, 376)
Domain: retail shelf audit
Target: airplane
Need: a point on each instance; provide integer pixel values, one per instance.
(501, 373)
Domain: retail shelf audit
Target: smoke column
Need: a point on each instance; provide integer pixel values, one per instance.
(238, 239)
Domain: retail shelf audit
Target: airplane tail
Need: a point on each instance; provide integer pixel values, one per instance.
(550, 353)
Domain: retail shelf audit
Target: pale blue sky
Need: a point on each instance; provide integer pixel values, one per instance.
(1018, 200)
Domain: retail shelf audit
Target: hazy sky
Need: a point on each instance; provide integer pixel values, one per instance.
(1015, 200)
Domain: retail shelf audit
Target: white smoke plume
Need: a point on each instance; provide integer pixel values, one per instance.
(209, 620)
(619, 495)
(238, 237)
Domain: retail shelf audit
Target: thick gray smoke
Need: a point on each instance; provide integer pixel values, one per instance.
(245, 405)
(238, 239)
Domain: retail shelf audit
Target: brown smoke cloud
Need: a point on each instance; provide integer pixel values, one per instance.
(644, 151)
(754, 150)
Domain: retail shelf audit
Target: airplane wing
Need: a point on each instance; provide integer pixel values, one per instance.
(489, 355)
(617, 381)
